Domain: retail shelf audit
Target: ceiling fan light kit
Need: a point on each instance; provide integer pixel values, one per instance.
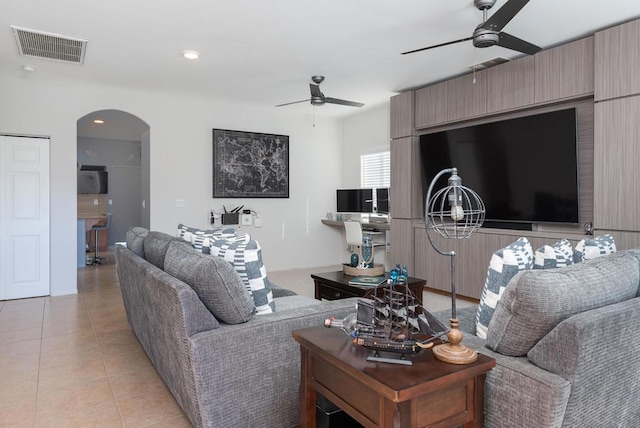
(485, 38)
(489, 32)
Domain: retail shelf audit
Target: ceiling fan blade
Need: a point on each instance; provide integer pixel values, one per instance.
(503, 15)
(342, 102)
(512, 42)
(436, 46)
(315, 91)
(294, 102)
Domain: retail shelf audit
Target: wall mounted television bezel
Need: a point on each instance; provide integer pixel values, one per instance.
(354, 200)
(525, 169)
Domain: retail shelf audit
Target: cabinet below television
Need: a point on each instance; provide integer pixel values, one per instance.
(472, 256)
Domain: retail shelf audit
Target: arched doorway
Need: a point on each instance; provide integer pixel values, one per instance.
(119, 142)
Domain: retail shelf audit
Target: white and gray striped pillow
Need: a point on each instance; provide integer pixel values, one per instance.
(199, 237)
(504, 265)
(246, 257)
(560, 254)
(591, 248)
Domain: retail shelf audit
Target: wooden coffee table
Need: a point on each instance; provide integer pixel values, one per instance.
(335, 285)
(428, 393)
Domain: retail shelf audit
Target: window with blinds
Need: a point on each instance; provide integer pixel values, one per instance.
(375, 170)
(375, 173)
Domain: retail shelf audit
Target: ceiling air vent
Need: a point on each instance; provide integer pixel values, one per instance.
(49, 46)
(489, 63)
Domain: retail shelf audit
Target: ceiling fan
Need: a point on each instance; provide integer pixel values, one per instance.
(489, 32)
(318, 98)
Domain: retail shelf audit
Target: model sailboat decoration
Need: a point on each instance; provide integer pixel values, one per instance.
(391, 322)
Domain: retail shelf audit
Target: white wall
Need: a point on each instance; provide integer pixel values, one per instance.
(363, 133)
(181, 158)
(145, 188)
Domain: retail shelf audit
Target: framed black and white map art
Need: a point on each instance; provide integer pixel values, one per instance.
(250, 165)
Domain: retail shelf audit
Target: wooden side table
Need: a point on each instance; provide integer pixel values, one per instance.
(335, 285)
(428, 393)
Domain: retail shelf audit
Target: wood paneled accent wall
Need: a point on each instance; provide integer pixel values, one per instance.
(511, 85)
(402, 120)
(472, 258)
(406, 184)
(564, 71)
(466, 96)
(606, 64)
(617, 132)
(617, 61)
(561, 73)
(617, 172)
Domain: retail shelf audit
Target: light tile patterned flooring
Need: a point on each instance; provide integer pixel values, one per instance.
(73, 361)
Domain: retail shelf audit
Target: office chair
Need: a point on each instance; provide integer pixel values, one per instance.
(354, 233)
(96, 259)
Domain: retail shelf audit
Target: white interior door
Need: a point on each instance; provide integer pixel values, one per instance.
(24, 217)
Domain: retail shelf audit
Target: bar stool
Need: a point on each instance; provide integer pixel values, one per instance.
(97, 260)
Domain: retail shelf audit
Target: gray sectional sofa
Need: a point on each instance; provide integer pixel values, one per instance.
(244, 374)
(567, 346)
(566, 341)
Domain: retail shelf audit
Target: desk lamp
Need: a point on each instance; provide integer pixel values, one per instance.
(453, 212)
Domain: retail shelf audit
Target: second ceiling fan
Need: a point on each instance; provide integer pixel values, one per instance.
(490, 33)
(318, 98)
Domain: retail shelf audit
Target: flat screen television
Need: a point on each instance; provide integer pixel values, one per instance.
(382, 200)
(524, 169)
(92, 182)
(354, 200)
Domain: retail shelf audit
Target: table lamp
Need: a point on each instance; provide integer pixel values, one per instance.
(453, 212)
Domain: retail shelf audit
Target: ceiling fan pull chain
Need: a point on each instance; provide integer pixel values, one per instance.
(476, 56)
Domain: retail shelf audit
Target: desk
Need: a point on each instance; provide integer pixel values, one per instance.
(428, 393)
(382, 229)
(366, 226)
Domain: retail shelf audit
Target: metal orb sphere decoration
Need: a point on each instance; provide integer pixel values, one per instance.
(454, 212)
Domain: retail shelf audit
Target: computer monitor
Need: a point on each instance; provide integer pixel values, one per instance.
(382, 200)
(354, 200)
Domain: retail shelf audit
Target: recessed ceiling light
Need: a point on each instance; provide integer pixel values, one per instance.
(191, 54)
(98, 121)
(28, 68)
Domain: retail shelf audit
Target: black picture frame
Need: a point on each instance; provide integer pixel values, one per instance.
(250, 164)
